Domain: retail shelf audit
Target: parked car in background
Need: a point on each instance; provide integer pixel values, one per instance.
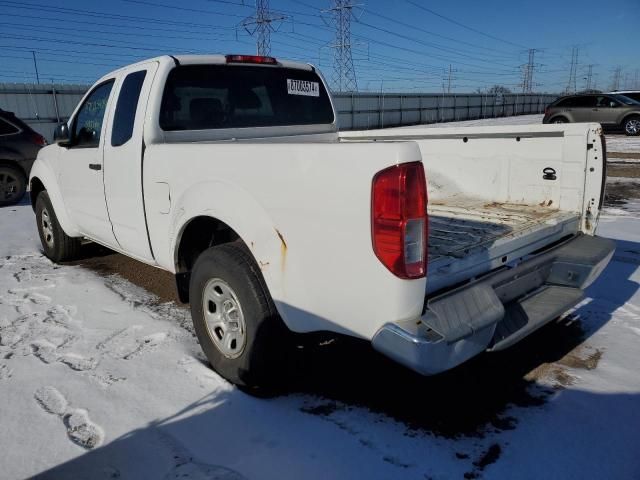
(611, 110)
(634, 94)
(19, 146)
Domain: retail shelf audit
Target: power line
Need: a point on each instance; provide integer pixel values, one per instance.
(455, 22)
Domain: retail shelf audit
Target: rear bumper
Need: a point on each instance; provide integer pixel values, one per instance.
(497, 310)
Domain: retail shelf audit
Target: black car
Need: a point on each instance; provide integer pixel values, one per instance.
(19, 146)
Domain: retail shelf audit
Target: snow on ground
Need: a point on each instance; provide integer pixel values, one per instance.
(98, 379)
(623, 144)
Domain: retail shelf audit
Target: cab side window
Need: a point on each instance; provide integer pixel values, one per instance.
(88, 122)
(584, 102)
(126, 107)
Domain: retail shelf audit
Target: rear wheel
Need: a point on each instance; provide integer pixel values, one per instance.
(57, 245)
(13, 185)
(559, 120)
(236, 322)
(632, 126)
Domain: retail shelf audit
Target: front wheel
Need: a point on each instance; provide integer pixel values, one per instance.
(632, 126)
(57, 245)
(13, 185)
(235, 320)
(559, 120)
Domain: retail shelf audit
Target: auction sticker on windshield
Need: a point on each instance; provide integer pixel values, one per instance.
(303, 87)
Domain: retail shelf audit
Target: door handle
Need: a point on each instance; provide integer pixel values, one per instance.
(95, 166)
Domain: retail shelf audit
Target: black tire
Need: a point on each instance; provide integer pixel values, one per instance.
(559, 120)
(57, 245)
(259, 368)
(13, 185)
(631, 126)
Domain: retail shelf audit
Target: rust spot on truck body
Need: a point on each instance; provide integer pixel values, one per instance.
(283, 250)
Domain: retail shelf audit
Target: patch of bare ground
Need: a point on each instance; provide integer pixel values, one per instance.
(623, 155)
(557, 375)
(626, 170)
(619, 192)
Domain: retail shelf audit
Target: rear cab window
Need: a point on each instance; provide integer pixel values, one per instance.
(199, 97)
(125, 115)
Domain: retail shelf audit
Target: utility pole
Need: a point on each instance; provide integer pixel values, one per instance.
(260, 25)
(449, 81)
(615, 80)
(571, 85)
(589, 77)
(35, 65)
(344, 74)
(527, 72)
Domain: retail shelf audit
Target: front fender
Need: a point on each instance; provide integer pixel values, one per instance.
(240, 211)
(42, 171)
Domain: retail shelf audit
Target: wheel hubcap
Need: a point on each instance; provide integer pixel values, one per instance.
(47, 228)
(8, 186)
(224, 318)
(633, 127)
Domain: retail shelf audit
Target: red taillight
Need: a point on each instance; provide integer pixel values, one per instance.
(399, 220)
(39, 140)
(546, 111)
(251, 59)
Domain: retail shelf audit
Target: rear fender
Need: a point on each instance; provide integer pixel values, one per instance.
(240, 211)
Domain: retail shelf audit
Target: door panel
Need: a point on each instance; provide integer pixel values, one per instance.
(608, 110)
(80, 167)
(583, 110)
(123, 162)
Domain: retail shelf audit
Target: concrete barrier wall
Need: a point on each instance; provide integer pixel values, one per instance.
(44, 106)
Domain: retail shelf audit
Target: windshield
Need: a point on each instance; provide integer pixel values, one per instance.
(199, 97)
(626, 100)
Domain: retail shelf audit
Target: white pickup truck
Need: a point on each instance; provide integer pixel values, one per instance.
(229, 172)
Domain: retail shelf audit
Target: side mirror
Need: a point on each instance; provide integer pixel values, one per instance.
(61, 135)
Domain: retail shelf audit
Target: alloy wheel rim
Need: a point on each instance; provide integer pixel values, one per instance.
(224, 318)
(633, 127)
(47, 228)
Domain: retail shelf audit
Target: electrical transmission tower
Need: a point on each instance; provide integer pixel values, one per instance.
(589, 77)
(615, 79)
(261, 24)
(446, 84)
(527, 72)
(344, 75)
(573, 69)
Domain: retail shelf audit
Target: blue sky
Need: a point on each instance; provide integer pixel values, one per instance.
(399, 45)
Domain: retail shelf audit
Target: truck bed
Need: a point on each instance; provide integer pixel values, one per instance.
(471, 232)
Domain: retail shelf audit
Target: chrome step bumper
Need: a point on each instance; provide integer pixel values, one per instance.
(497, 310)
